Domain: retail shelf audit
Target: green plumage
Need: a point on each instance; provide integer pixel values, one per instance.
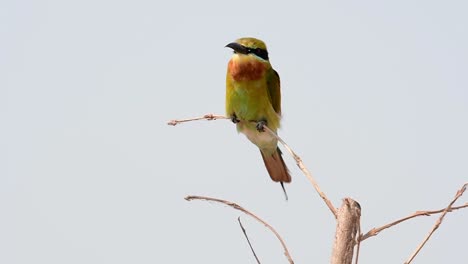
(253, 95)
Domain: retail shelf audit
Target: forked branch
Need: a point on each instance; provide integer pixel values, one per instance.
(437, 223)
(245, 211)
(333, 209)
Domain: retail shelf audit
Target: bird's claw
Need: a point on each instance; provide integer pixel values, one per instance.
(261, 125)
(234, 119)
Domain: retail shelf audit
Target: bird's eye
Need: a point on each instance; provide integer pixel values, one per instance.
(260, 53)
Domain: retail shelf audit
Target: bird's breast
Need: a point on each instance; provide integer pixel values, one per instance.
(246, 70)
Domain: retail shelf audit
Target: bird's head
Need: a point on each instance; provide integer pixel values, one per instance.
(250, 46)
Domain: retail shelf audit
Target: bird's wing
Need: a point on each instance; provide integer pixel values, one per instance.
(274, 92)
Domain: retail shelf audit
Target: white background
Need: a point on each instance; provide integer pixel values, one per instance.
(375, 100)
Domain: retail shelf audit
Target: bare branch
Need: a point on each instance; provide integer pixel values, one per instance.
(347, 231)
(245, 211)
(246, 237)
(437, 223)
(358, 241)
(376, 231)
(298, 160)
(175, 122)
(306, 172)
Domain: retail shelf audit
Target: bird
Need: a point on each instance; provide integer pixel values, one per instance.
(253, 101)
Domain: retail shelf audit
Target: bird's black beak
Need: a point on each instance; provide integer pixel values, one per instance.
(238, 48)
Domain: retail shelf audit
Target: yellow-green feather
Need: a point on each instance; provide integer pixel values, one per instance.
(253, 100)
(252, 43)
(274, 91)
(252, 95)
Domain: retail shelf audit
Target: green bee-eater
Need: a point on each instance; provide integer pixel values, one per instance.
(253, 99)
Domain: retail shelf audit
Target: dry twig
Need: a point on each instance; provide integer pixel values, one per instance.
(175, 122)
(245, 211)
(437, 223)
(376, 231)
(298, 160)
(306, 172)
(248, 240)
(358, 241)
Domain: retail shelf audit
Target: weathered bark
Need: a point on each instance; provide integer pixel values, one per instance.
(347, 229)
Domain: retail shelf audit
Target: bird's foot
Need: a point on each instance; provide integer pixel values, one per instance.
(261, 125)
(234, 119)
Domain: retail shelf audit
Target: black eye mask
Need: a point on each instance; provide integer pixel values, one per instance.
(259, 52)
(238, 48)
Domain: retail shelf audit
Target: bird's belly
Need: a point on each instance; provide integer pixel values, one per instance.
(264, 140)
(250, 101)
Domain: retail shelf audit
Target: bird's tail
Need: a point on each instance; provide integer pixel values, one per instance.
(276, 166)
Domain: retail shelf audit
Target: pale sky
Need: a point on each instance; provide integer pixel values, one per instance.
(375, 101)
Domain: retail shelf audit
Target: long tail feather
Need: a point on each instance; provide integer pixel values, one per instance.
(276, 167)
(284, 191)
